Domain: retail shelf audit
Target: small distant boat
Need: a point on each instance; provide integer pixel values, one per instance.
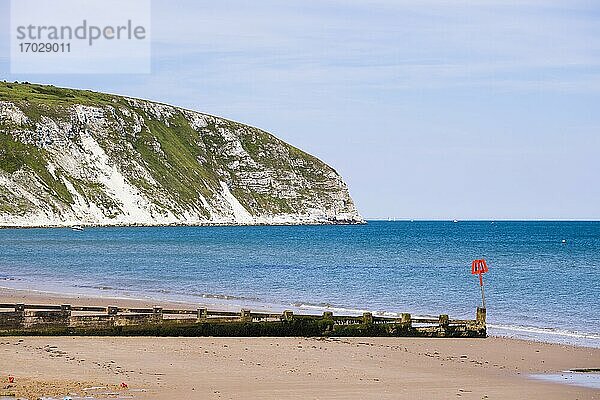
(77, 228)
(455, 221)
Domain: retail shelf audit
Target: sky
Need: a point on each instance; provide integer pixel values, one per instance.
(429, 109)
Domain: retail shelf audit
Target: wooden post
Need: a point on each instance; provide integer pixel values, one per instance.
(328, 316)
(66, 311)
(481, 313)
(288, 315)
(444, 321)
(406, 321)
(202, 314)
(245, 316)
(157, 313)
(367, 318)
(20, 317)
(65, 315)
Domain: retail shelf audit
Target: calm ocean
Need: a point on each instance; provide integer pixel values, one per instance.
(538, 287)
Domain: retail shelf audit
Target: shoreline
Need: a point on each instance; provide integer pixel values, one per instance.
(274, 368)
(235, 304)
(194, 224)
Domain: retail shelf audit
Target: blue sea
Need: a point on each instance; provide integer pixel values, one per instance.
(543, 281)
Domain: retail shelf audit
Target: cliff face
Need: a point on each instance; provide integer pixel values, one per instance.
(79, 157)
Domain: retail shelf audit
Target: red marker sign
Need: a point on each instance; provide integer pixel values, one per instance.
(479, 267)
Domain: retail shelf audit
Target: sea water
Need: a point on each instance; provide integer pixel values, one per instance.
(543, 281)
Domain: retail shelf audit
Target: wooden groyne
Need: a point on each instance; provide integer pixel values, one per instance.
(65, 319)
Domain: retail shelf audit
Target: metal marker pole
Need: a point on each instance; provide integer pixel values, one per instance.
(482, 291)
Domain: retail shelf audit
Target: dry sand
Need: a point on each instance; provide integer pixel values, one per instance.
(285, 368)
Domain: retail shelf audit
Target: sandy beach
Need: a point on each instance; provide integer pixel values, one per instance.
(275, 368)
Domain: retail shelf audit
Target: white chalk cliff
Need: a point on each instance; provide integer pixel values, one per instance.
(72, 157)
